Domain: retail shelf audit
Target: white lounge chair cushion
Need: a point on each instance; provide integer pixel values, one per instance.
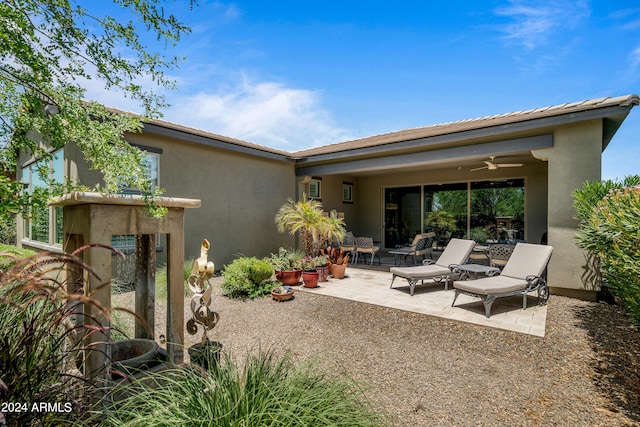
(456, 252)
(491, 285)
(420, 272)
(527, 259)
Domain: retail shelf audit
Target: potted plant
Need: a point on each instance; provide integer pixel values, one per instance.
(287, 266)
(337, 259)
(314, 225)
(322, 267)
(310, 273)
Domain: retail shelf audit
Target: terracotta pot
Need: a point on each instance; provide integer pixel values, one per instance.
(323, 272)
(337, 270)
(289, 277)
(310, 279)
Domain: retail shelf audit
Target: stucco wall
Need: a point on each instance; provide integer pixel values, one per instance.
(574, 159)
(240, 196)
(331, 196)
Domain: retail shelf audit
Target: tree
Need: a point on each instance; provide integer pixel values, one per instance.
(307, 217)
(48, 49)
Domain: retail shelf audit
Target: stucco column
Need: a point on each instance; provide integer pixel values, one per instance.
(575, 158)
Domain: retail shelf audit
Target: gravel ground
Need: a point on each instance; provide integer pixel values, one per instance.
(427, 371)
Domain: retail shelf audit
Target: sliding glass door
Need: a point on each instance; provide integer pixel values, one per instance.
(402, 215)
(485, 211)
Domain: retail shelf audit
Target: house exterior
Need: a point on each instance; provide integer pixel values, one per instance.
(386, 185)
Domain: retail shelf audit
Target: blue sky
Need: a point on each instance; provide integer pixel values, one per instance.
(297, 74)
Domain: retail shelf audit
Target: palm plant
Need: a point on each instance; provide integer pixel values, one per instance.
(307, 217)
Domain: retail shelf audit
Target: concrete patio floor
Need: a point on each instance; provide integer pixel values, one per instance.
(371, 285)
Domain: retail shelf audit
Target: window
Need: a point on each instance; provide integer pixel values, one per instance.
(44, 223)
(314, 188)
(153, 173)
(347, 192)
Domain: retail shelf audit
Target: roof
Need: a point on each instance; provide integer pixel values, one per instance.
(473, 124)
(569, 110)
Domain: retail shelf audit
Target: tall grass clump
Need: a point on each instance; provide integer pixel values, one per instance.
(609, 214)
(161, 279)
(38, 341)
(247, 278)
(42, 326)
(268, 391)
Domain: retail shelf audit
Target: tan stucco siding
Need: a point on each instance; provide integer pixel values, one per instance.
(240, 196)
(574, 159)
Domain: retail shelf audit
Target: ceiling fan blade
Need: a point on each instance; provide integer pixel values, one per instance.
(509, 165)
(477, 169)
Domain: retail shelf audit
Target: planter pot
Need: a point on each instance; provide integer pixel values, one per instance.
(337, 270)
(283, 293)
(132, 355)
(323, 273)
(310, 279)
(289, 277)
(206, 355)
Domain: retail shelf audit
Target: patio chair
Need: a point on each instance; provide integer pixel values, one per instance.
(522, 274)
(456, 253)
(349, 243)
(421, 246)
(499, 254)
(364, 245)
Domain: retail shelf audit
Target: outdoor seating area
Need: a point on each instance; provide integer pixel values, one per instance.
(371, 286)
(456, 253)
(521, 277)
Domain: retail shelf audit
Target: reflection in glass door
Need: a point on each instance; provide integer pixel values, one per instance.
(402, 215)
(485, 211)
(445, 211)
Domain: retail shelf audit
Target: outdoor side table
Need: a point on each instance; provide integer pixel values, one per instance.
(476, 269)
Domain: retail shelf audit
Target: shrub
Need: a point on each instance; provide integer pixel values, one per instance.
(479, 234)
(269, 391)
(610, 228)
(247, 277)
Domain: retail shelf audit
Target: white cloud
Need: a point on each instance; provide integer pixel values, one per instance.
(534, 21)
(635, 58)
(266, 113)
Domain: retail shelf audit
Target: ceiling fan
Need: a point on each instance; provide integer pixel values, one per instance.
(491, 165)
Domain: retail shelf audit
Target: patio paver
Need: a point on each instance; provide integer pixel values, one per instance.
(372, 287)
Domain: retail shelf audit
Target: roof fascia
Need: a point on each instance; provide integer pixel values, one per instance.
(485, 132)
(212, 142)
(468, 152)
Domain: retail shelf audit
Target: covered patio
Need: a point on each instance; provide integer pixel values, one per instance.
(386, 185)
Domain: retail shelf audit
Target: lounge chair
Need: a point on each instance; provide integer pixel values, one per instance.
(456, 253)
(422, 245)
(522, 274)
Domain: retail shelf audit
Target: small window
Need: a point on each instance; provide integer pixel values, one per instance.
(153, 173)
(347, 192)
(314, 189)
